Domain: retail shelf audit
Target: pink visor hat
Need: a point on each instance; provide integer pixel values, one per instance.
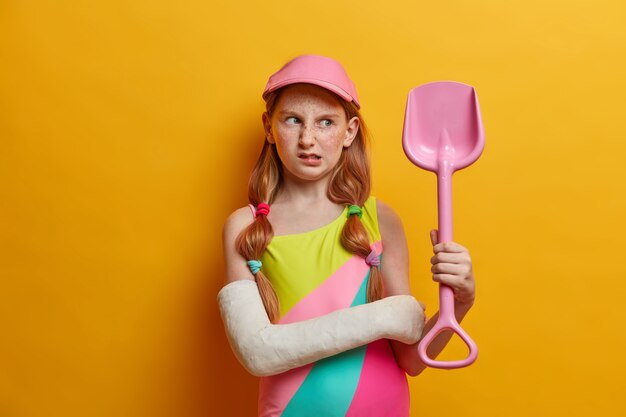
(314, 69)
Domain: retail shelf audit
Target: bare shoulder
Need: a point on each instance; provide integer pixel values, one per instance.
(236, 222)
(395, 262)
(236, 267)
(388, 220)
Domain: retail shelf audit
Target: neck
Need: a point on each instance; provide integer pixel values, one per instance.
(304, 192)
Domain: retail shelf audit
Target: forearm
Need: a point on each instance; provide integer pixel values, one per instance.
(266, 349)
(407, 355)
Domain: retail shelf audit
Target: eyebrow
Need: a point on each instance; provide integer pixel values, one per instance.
(323, 116)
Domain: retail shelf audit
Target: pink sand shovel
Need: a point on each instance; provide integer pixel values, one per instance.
(443, 133)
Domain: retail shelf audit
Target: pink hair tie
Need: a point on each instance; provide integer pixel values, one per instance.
(373, 259)
(263, 209)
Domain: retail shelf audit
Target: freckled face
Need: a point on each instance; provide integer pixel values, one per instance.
(310, 130)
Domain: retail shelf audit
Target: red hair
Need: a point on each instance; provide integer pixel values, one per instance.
(349, 184)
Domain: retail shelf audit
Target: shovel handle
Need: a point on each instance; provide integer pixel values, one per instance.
(447, 319)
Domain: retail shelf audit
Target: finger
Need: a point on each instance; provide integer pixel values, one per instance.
(434, 237)
(447, 279)
(451, 281)
(452, 247)
(449, 258)
(450, 269)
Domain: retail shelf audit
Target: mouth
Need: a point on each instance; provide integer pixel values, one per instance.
(309, 156)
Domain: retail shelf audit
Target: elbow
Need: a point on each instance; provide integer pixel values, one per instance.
(412, 366)
(414, 369)
(250, 356)
(257, 367)
(259, 360)
(260, 370)
(257, 371)
(408, 359)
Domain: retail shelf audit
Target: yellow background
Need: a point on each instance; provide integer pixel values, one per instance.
(128, 129)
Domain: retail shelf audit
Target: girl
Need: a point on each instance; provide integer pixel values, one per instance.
(306, 305)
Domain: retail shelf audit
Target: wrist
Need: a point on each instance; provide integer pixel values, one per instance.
(462, 307)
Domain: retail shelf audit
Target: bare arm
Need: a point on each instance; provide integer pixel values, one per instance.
(450, 265)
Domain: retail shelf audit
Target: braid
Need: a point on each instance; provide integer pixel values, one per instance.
(350, 184)
(251, 244)
(264, 183)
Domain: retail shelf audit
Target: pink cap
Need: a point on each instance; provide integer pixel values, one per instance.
(314, 69)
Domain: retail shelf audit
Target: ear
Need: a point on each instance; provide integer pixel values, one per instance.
(351, 131)
(267, 126)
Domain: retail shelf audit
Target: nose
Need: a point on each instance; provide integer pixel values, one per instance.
(307, 136)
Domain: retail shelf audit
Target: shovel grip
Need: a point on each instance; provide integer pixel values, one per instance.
(446, 321)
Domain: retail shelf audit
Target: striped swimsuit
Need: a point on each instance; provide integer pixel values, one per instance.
(314, 275)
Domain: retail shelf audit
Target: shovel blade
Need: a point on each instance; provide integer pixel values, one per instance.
(443, 122)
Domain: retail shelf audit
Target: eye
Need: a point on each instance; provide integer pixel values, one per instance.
(292, 120)
(326, 123)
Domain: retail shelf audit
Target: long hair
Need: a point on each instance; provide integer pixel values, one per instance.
(350, 184)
